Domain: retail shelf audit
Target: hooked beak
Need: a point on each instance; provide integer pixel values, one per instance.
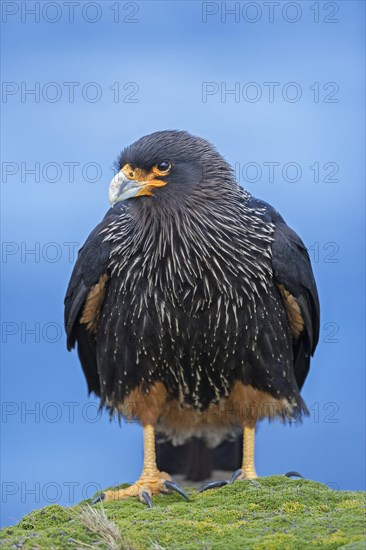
(122, 188)
(139, 183)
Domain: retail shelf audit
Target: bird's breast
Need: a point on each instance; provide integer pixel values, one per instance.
(185, 306)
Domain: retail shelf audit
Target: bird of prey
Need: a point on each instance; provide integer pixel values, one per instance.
(192, 303)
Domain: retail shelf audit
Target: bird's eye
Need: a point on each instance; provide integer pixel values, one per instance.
(164, 166)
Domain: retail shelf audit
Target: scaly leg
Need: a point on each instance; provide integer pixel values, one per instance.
(247, 470)
(151, 480)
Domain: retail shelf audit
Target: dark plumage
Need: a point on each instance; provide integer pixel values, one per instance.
(196, 285)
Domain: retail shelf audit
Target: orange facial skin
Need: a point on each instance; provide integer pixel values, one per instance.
(146, 179)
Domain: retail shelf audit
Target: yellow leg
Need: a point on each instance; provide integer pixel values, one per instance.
(151, 480)
(248, 468)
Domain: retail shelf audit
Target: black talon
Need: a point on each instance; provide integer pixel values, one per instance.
(294, 474)
(235, 476)
(214, 485)
(147, 498)
(173, 486)
(98, 498)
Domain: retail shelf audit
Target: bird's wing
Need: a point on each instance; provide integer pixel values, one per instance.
(84, 297)
(294, 276)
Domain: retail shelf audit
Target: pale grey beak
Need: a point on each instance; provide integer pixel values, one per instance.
(121, 188)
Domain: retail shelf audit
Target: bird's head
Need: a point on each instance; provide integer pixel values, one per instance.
(170, 163)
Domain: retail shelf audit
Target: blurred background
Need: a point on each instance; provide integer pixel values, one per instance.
(278, 88)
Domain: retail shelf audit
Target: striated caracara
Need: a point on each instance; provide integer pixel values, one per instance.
(192, 303)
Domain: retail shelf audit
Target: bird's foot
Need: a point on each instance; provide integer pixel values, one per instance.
(251, 474)
(242, 474)
(149, 484)
(238, 475)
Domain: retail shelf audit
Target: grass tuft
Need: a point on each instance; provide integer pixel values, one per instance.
(96, 521)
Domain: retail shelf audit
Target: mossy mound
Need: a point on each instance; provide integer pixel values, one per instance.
(265, 514)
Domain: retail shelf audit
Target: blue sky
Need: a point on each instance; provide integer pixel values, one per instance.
(167, 65)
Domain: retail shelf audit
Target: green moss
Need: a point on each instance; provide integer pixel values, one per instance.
(267, 514)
